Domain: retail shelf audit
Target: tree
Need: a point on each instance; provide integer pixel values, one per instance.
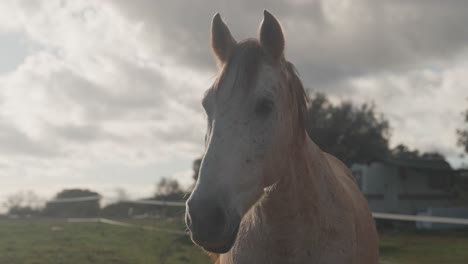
(433, 156)
(351, 133)
(23, 203)
(14, 201)
(169, 190)
(403, 152)
(463, 134)
(63, 206)
(167, 186)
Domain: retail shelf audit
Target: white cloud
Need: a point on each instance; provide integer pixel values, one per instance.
(92, 95)
(109, 95)
(423, 106)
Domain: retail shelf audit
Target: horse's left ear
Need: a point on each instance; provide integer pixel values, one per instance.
(271, 35)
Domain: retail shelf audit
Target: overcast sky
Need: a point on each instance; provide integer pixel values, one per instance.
(105, 94)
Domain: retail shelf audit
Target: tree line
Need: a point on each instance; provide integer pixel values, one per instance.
(29, 204)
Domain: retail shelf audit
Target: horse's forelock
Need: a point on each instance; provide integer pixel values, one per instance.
(245, 61)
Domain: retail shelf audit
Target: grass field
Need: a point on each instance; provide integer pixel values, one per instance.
(413, 247)
(55, 241)
(58, 242)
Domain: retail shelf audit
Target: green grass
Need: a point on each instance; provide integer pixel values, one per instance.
(435, 247)
(39, 242)
(29, 242)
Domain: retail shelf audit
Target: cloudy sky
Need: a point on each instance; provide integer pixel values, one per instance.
(105, 94)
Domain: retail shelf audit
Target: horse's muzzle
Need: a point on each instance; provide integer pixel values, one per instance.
(210, 227)
(219, 248)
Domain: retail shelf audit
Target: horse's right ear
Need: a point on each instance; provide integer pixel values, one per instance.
(222, 42)
(271, 35)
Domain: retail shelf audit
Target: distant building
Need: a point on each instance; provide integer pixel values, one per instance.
(406, 186)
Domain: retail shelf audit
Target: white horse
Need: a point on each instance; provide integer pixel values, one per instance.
(266, 193)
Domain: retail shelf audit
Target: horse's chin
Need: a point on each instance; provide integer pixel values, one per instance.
(221, 247)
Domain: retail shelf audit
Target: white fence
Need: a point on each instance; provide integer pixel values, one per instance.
(421, 218)
(398, 217)
(120, 223)
(97, 198)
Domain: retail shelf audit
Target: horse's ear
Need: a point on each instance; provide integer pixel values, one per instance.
(222, 42)
(271, 35)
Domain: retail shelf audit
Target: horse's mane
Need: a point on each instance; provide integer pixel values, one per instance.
(299, 94)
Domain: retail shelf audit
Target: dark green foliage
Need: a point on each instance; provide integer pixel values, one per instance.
(402, 151)
(351, 133)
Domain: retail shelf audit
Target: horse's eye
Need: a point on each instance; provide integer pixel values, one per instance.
(264, 107)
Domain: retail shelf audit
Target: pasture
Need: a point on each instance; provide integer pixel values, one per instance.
(59, 242)
(56, 241)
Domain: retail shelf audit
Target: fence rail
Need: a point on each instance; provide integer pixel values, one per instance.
(124, 224)
(421, 218)
(97, 198)
(399, 217)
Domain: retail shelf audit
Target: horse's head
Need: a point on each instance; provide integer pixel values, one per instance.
(255, 113)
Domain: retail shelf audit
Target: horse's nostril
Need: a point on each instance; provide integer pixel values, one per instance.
(205, 221)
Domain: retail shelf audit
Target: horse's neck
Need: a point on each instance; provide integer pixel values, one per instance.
(302, 185)
(295, 203)
(287, 222)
